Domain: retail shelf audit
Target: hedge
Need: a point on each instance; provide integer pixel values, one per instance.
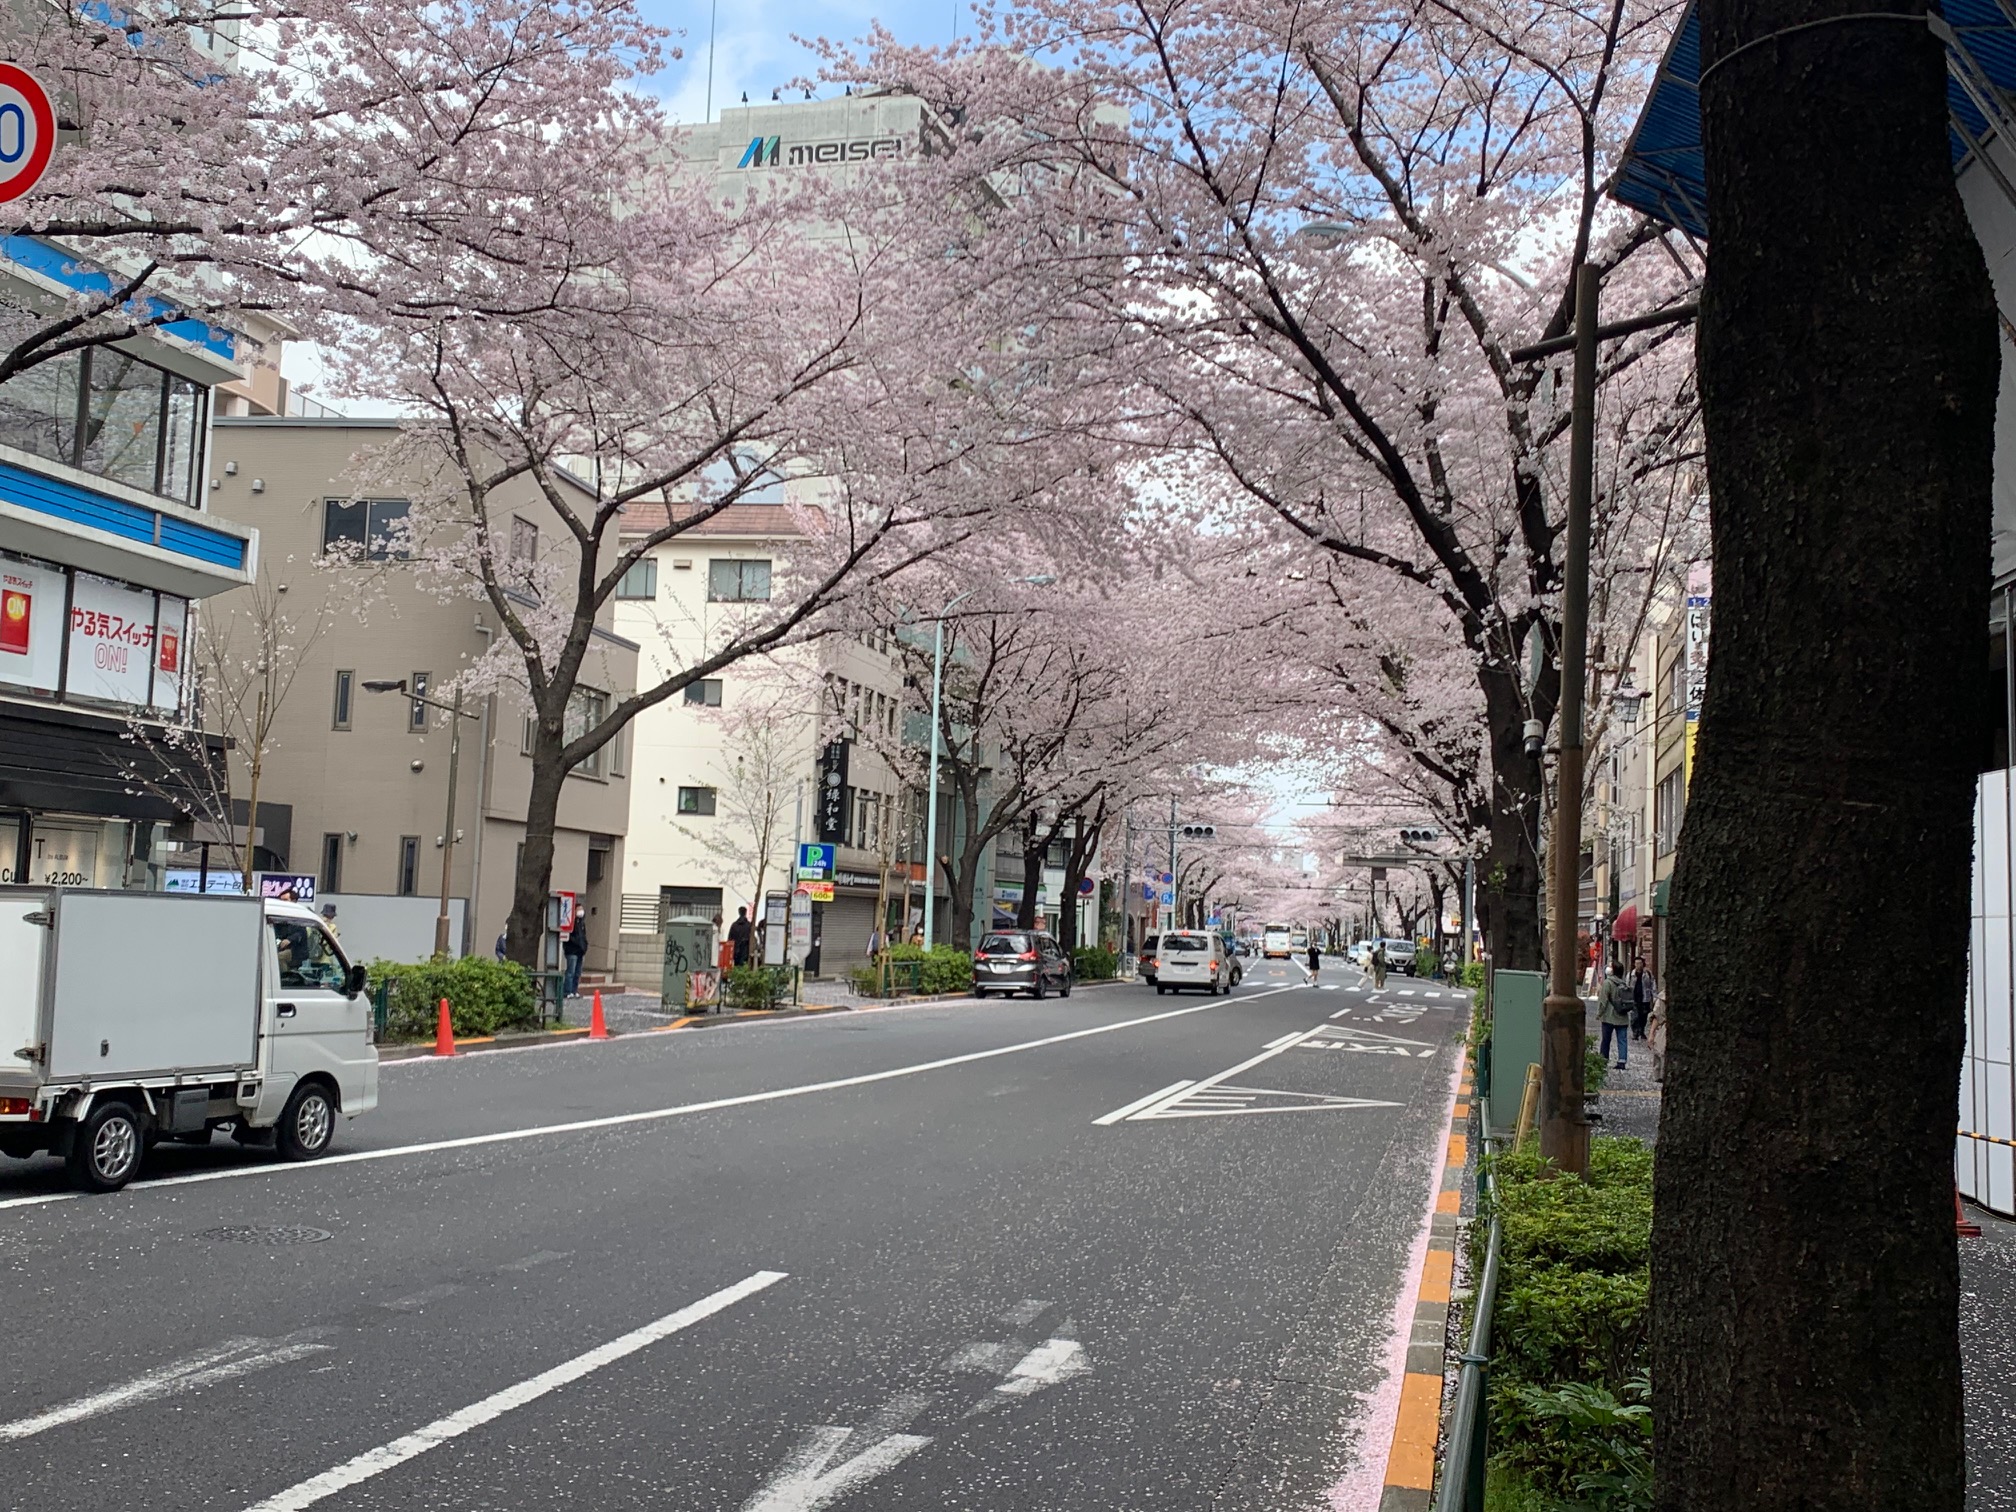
(1569, 1345)
(946, 967)
(1094, 963)
(484, 996)
(747, 987)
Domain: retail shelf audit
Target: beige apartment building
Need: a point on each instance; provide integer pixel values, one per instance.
(366, 775)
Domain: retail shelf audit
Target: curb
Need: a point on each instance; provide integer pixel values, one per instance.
(422, 1050)
(1410, 1461)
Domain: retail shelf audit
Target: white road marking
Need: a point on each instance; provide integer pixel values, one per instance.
(225, 1362)
(1029, 1309)
(651, 1115)
(1233, 1102)
(421, 1298)
(1139, 1103)
(1285, 1040)
(1406, 992)
(387, 1456)
(1050, 1363)
(983, 1356)
(808, 1480)
(536, 1258)
(1350, 1037)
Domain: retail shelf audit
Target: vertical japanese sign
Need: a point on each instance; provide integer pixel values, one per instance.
(1699, 609)
(831, 801)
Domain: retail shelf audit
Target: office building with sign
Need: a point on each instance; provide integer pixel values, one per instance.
(108, 548)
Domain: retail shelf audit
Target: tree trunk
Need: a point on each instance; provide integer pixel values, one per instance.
(534, 878)
(1510, 877)
(1034, 844)
(1805, 1327)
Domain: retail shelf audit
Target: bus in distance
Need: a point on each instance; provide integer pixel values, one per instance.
(1277, 941)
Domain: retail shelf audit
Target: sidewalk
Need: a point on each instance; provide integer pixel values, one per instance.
(1630, 1106)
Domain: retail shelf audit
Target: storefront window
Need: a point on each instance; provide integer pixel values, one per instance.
(181, 447)
(142, 426)
(65, 851)
(38, 408)
(122, 418)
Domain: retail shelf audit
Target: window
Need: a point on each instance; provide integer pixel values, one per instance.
(331, 880)
(1669, 806)
(416, 713)
(526, 733)
(707, 692)
(730, 582)
(619, 753)
(640, 582)
(139, 425)
(409, 865)
(585, 710)
(524, 540)
(374, 529)
(339, 718)
(308, 957)
(696, 800)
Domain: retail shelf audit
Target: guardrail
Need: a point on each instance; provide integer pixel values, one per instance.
(1467, 1446)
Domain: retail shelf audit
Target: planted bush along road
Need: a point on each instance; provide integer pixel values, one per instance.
(1115, 1252)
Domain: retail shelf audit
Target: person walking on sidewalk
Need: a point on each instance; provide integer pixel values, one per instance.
(739, 935)
(1644, 989)
(1613, 1012)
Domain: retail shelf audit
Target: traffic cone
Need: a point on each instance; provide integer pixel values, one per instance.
(1964, 1226)
(444, 1031)
(598, 1027)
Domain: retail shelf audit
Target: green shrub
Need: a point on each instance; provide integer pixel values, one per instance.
(1595, 1069)
(750, 987)
(1426, 963)
(1607, 1442)
(1094, 963)
(1571, 1317)
(946, 967)
(867, 980)
(484, 996)
(1470, 974)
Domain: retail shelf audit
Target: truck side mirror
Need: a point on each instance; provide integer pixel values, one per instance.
(354, 982)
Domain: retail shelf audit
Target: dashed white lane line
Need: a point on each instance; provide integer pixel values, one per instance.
(650, 1115)
(377, 1461)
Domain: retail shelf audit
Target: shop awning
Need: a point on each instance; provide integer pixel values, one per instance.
(1663, 174)
(1625, 925)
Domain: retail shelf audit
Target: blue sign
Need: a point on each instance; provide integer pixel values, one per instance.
(1168, 898)
(815, 863)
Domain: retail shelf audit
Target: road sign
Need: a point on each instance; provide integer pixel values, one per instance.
(822, 892)
(1087, 887)
(1168, 897)
(801, 923)
(815, 863)
(27, 132)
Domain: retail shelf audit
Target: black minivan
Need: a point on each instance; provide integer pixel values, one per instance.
(1020, 960)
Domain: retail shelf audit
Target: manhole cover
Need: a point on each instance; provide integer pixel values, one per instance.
(267, 1233)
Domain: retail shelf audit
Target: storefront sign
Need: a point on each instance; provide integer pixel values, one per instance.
(111, 641)
(31, 626)
(832, 797)
(298, 887)
(820, 892)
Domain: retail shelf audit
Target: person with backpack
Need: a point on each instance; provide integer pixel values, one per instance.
(1613, 1012)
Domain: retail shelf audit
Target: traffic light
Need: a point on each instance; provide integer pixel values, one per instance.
(1199, 832)
(1419, 836)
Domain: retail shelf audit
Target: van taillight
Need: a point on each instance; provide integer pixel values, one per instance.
(14, 1105)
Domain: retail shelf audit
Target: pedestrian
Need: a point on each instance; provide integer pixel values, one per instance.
(738, 936)
(1378, 964)
(500, 944)
(1315, 960)
(917, 933)
(1644, 990)
(874, 941)
(575, 949)
(1613, 1012)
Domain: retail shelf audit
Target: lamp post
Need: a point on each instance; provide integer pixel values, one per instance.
(456, 716)
(1036, 580)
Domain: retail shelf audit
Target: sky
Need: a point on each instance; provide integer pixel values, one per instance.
(754, 48)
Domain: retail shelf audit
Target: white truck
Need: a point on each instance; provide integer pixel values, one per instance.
(128, 1018)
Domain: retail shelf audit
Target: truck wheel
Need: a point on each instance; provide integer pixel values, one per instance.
(106, 1147)
(307, 1124)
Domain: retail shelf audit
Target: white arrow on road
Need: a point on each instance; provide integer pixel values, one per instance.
(813, 1475)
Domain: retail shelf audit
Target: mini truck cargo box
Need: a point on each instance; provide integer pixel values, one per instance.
(127, 1018)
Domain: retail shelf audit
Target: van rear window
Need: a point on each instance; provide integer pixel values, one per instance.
(1177, 944)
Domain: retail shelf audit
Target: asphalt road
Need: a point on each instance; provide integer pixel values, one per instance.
(953, 1256)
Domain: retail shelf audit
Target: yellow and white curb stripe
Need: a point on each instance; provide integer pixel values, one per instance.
(1410, 1460)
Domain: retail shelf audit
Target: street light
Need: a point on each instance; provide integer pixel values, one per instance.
(398, 685)
(1035, 580)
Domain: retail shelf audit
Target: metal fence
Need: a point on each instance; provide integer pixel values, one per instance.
(1467, 1445)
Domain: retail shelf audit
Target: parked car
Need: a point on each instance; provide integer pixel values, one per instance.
(1193, 958)
(1021, 960)
(1150, 949)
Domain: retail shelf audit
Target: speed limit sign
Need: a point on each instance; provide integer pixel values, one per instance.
(27, 132)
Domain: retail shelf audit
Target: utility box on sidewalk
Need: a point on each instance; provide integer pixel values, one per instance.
(1516, 997)
(689, 947)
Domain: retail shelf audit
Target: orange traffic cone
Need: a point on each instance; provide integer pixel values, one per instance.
(598, 1027)
(444, 1032)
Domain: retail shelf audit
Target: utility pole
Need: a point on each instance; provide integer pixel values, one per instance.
(1175, 900)
(1564, 1126)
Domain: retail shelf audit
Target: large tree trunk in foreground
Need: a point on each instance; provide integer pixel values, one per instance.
(1509, 882)
(1804, 1272)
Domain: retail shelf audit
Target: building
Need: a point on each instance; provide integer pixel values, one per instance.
(367, 776)
(791, 747)
(108, 545)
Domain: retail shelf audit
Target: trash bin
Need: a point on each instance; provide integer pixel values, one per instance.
(689, 947)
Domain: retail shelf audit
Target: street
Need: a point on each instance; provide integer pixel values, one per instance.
(1118, 1251)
